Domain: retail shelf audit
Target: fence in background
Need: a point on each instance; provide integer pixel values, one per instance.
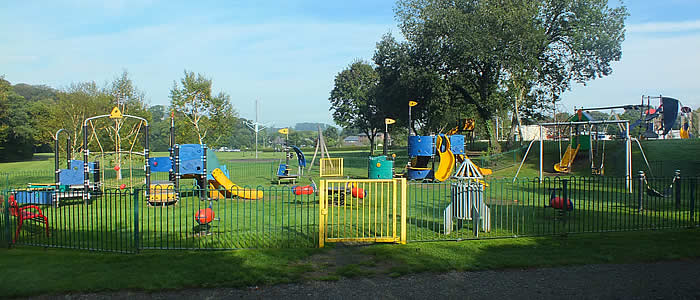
(124, 221)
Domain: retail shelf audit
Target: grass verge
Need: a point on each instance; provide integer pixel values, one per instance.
(32, 271)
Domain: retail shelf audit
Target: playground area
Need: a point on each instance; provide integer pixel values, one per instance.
(126, 199)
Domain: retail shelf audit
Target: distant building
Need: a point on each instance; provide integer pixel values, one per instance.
(352, 140)
(530, 132)
(362, 139)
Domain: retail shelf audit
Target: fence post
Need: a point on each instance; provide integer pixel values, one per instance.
(677, 187)
(137, 234)
(6, 216)
(640, 193)
(693, 182)
(565, 208)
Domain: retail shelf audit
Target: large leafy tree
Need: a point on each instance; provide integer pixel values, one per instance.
(568, 41)
(499, 54)
(402, 78)
(200, 114)
(354, 102)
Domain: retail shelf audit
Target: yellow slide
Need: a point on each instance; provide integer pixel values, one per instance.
(483, 171)
(564, 166)
(447, 159)
(222, 181)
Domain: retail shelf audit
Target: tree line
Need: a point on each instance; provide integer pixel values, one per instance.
(30, 115)
(481, 59)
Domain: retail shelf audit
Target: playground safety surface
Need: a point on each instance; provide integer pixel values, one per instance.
(659, 280)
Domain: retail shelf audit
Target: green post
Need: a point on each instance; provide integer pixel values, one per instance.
(137, 235)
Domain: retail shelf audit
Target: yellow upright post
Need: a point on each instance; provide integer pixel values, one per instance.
(393, 210)
(321, 213)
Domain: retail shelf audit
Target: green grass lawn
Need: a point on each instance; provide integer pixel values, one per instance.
(34, 271)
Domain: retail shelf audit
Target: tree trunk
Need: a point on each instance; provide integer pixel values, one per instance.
(371, 144)
(494, 146)
(518, 100)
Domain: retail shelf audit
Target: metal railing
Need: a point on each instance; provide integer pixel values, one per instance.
(560, 205)
(272, 217)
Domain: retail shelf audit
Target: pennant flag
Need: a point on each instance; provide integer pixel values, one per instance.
(283, 131)
(388, 121)
(412, 103)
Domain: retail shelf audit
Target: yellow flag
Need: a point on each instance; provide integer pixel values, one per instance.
(412, 103)
(388, 121)
(283, 131)
(116, 113)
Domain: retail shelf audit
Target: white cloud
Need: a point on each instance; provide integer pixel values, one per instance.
(664, 27)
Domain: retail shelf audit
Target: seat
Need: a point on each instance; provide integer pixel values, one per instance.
(26, 213)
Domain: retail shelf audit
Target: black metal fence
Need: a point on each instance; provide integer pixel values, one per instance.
(557, 205)
(267, 217)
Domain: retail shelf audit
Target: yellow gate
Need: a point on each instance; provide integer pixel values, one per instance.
(331, 167)
(364, 210)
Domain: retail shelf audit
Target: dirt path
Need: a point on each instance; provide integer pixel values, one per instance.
(662, 280)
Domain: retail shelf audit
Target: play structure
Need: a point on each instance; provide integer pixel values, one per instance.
(449, 149)
(328, 167)
(580, 136)
(467, 200)
(120, 167)
(193, 161)
(85, 179)
(584, 134)
(283, 170)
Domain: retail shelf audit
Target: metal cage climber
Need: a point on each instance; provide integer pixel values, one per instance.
(90, 134)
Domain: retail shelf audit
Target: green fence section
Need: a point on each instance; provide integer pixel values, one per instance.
(125, 221)
(523, 208)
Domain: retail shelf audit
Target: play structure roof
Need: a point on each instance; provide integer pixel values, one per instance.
(581, 116)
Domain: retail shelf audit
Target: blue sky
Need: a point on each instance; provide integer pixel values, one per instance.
(286, 53)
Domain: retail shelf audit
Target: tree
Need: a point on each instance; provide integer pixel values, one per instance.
(160, 128)
(402, 78)
(17, 127)
(478, 47)
(353, 100)
(75, 104)
(125, 96)
(209, 116)
(331, 136)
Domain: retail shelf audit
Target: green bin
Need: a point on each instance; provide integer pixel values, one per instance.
(380, 168)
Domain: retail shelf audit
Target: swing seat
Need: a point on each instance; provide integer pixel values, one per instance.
(654, 193)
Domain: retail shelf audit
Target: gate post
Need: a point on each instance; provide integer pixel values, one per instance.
(137, 239)
(321, 213)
